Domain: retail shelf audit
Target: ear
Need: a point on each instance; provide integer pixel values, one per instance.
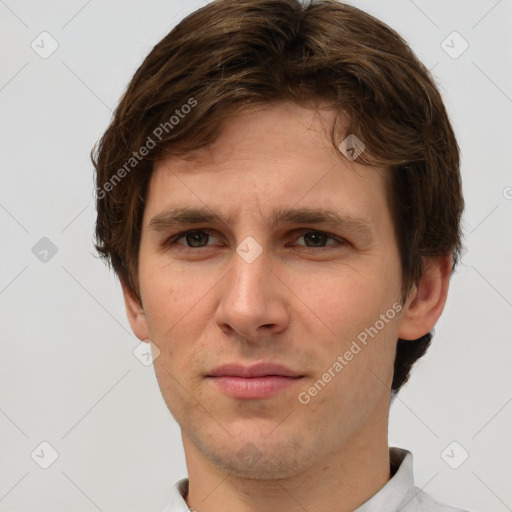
(135, 313)
(426, 300)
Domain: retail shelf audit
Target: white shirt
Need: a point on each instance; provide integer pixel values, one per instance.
(398, 495)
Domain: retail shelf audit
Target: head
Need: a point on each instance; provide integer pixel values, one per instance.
(245, 110)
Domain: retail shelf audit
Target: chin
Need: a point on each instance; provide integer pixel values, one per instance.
(259, 456)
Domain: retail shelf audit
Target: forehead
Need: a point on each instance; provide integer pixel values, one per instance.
(279, 127)
(276, 156)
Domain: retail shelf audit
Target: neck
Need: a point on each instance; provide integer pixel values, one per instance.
(341, 482)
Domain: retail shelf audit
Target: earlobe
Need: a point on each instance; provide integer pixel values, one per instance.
(135, 314)
(427, 299)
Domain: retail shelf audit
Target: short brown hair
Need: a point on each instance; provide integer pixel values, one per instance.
(234, 53)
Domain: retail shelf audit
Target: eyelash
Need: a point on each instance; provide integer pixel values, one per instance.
(172, 241)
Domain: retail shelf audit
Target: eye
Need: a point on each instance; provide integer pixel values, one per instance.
(314, 239)
(197, 239)
(193, 239)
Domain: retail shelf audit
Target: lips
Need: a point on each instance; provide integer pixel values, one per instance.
(256, 370)
(259, 381)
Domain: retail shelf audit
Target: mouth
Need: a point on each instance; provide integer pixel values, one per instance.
(259, 381)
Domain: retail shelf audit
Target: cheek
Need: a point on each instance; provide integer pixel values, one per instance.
(176, 305)
(349, 309)
(167, 290)
(344, 303)
(164, 300)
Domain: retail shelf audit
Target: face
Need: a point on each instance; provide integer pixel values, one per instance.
(271, 277)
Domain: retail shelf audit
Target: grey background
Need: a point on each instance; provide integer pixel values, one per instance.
(68, 375)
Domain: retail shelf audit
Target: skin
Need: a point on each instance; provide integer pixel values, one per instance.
(301, 303)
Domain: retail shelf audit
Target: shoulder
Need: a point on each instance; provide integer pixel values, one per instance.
(413, 499)
(427, 503)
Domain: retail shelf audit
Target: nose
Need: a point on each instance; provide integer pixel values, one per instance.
(253, 300)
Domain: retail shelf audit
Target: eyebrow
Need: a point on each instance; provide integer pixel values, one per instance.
(187, 215)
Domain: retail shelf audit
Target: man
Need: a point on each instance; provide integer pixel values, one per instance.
(279, 193)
